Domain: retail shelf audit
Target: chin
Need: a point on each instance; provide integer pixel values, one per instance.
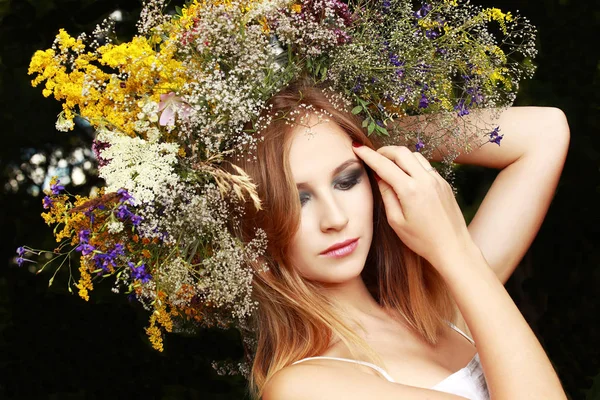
(339, 272)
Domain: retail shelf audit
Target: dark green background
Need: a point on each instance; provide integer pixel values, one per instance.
(53, 345)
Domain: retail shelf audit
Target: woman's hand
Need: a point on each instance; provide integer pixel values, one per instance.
(419, 203)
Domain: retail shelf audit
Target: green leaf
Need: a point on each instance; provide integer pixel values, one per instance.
(382, 130)
(357, 109)
(365, 123)
(371, 127)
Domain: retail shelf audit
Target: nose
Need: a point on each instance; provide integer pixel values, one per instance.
(333, 215)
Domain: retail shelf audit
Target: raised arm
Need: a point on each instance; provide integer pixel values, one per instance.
(530, 156)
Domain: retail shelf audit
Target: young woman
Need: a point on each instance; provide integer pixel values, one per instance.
(374, 282)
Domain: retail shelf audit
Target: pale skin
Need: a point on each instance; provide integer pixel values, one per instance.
(475, 262)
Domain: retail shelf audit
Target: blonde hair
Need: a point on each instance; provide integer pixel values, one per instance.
(294, 319)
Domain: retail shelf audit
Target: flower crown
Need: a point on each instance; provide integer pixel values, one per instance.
(189, 89)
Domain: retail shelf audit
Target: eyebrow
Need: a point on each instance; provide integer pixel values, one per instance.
(338, 169)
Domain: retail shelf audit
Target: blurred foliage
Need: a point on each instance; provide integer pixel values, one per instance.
(56, 346)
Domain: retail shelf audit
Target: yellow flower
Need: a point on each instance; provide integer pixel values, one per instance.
(154, 334)
(85, 281)
(297, 8)
(265, 25)
(495, 14)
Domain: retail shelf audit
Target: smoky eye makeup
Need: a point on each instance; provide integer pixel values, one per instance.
(349, 178)
(345, 181)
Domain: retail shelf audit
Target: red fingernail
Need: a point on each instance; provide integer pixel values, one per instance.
(377, 178)
(356, 144)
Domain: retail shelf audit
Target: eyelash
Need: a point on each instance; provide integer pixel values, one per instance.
(354, 180)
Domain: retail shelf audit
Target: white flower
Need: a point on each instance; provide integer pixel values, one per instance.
(115, 226)
(143, 168)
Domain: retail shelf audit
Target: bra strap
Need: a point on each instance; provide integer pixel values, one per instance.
(366, 364)
(461, 332)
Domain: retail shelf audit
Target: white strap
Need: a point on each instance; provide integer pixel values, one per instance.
(375, 367)
(461, 332)
(366, 364)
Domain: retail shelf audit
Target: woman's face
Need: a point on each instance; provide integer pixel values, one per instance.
(337, 204)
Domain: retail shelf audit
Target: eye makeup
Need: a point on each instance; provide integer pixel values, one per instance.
(344, 182)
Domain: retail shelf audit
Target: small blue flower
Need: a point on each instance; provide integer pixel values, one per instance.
(386, 5)
(139, 273)
(123, 212)
(21, 251)
(431, 33)
(424, 102)
(423, 11)
(461, 108)
(125, 196)
(84, 236)
(419, 145)
(395, 61)
(495, 137)
(47, 202)
(56, 188)
(136, 220)
(20, 261)
(85, 248)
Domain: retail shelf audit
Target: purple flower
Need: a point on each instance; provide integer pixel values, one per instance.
(139, 273)
(476, 95)
(85, 248)
(495, 137)
(419, 145)
(123, 212)
(20, 261)
(84, 236)
(56, 188)
(424, 102)
(125, 196)
(104, 260)
(423, 11)
(21, 251)
(386, 5)
(357, 86)
(461, 108)
(47, 202)
(136, 220)
(395, 61)
(431, 33)
(90, 213)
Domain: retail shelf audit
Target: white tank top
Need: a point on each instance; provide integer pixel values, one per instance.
(468, 382)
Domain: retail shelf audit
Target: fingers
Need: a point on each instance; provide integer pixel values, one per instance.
(413, 163)
(391, 202)
(384, 167)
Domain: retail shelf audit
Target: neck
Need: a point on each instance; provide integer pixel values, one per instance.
(354, 300)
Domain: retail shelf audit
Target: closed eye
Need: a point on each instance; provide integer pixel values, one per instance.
(347, 182)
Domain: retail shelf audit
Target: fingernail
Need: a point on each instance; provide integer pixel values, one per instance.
(377, 178)
(356, 144)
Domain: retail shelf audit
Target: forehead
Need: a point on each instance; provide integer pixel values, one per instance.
(318, 152)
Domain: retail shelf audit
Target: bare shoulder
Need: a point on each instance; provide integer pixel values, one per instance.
(313, 381)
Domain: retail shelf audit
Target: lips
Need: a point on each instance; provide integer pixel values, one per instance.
(339, 245)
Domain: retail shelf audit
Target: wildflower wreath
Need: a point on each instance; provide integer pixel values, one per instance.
(170, 104)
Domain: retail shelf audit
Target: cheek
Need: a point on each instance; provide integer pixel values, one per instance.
(300, 246)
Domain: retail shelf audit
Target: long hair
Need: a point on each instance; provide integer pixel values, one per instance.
(294, 318)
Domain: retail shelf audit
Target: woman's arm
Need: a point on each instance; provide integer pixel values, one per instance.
(514, 362)
(531, 157)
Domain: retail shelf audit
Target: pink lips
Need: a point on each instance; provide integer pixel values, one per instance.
(341, 249)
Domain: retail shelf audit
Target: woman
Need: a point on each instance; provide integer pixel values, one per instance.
(373, 277)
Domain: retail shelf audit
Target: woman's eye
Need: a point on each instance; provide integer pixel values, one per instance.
(303, 199)
(349, 184)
